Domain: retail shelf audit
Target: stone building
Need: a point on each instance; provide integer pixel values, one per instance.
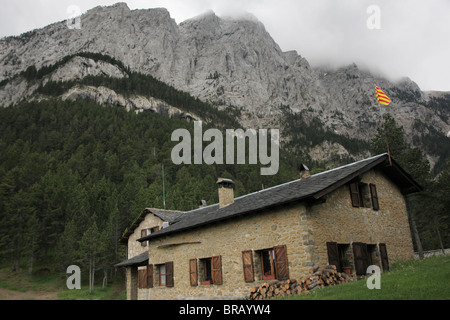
(148, 222)
(355, 213)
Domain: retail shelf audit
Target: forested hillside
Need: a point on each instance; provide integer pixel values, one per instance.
(74, 175)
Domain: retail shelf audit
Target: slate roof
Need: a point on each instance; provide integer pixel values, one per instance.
(138, 261)
(166, 215)
(312, 188)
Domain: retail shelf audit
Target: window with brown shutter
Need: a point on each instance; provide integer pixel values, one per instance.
(169, 274)
(333, 254)
(216, 270)
(142, 279)
(144, 234)
(361, 258)
(281, 262)
(140, 274)
(150, 276)
(247, 262)
(384, 257)
(374, 194)
(354, 194)
(193, 273)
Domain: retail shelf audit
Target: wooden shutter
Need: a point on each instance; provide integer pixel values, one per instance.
(169, 274)
(374, 194)
(333, 255)
(281, 262)
(150, 276)
(216, 270)
(384, 257)
(354, 194)
(193, 274)
(247, 262)
(143, 234)
(361, 257)
(141, 279)
(144, 278)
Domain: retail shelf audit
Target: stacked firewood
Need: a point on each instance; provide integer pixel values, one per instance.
(328, 276)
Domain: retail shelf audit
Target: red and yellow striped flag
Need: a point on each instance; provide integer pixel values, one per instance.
(382, 98)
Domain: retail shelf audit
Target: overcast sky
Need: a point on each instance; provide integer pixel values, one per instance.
(407, 37)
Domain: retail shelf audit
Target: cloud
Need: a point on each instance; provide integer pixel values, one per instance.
(412, 41)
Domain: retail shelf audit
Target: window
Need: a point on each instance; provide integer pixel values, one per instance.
(362, 256)
(142, 278)
(339, 255)
(268, 264)
(163, 275)
(273, 263)
(364, 195)
(145, 277)
(209, 271)
(206, 275)
(146, 232)
(161, 270)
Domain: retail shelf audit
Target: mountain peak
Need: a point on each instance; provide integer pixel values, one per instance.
(116, 6)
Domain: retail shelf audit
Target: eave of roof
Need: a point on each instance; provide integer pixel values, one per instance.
(138, 261)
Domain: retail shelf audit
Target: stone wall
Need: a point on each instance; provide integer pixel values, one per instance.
(304, 229)
(135, 248)
(337, 221)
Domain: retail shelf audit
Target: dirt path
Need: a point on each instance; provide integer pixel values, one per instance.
(6, 294)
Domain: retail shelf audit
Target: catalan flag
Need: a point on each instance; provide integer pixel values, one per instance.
(382, 98)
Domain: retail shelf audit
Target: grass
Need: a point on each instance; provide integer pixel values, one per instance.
(427, 279)
(34, 287)
(110, 292)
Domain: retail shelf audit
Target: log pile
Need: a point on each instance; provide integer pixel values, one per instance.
(317, 279)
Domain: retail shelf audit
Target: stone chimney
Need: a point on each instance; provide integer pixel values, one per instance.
(203, 204)
(226, 192)
(304, 172)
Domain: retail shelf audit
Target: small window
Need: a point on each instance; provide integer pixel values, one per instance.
(268, 264)
(161, 270)
(272, 263)
(142, 278)
(146, 232)
(164, 274)
(361, 195)
(364, 195)
(210, 271)
(205, 271)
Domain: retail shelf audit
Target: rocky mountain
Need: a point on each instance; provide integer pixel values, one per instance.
(232, 63)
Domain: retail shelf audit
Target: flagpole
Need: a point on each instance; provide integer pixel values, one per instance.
(164, 189)
(387, 141)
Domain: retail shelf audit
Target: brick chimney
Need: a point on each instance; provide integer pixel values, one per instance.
(304, 172)
(226, 192)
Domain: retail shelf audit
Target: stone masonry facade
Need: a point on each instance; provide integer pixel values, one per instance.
(303, 228)
(134, 249)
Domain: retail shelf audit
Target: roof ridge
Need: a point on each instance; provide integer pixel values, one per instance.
(350, 164)
(164, 210)
(293, 181)
(318, 174)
